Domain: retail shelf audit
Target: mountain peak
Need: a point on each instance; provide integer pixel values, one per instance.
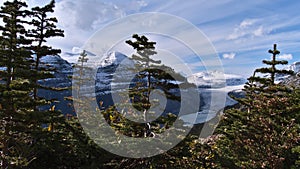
(295, 67)
(51, 58)
(112, 58)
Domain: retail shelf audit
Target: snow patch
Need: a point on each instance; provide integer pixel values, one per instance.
(295, 67)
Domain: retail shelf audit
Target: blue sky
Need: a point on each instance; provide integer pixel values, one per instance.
(241, 31)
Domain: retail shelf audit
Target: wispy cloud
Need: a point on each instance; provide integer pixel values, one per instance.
(229, 55)
(286, 56)
(249, 28)
(247, 22)
(81, 19)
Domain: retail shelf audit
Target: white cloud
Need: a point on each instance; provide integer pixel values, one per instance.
(229, 55)
(86, 15)
(81, 19)
(249, 28)
(76, 50)
(286, 56)
(247, 22)
(92, 14)
(259, 31)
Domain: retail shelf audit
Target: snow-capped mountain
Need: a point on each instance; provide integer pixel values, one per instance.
(283, 77)
(62, 70)
(210, 84)
(215, 79)
(114, 58)
(115, 74)
(112, 73)
(295, 67)
(234, 84)
(293, 80)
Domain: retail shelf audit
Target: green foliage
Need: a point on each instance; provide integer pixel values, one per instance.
(258, 83)
(151, 75)
(82, 151)
(134, 129)
(15, 89)
(44, 27)
(264, 130)
(189, 153)
(141, 92)
(30, 137)
(68, 146)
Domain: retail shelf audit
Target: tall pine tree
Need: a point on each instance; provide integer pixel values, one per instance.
(150, 75)
(15, 99)
(44, 28)
(266, 83)
(145, 50)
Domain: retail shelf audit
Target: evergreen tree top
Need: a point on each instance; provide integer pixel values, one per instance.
(48, 8)
(144, 48)
(83, 57)
(263, 79)
(13, 9)
(12, 16)
(272, 70)
(141, 43)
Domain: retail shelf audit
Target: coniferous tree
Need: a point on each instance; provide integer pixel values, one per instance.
(44, 28)
(145, 50)
(25, 140)
(262, 132)
(257, 83)
(85, 152)
(146, 72)
(80, 70)
(151, 75)
(48, 126)
(15, 86)
(63, 143)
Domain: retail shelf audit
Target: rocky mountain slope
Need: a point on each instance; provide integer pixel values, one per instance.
(62, 71)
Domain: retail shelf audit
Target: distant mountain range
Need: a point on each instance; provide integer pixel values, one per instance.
(209, 84)
(295, 79)
(216, 79)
